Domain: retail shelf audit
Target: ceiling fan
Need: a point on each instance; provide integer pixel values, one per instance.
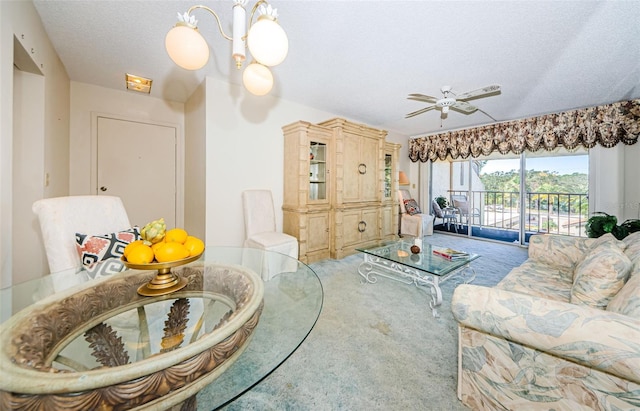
(454, 101)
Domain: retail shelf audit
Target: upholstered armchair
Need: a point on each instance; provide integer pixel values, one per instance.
(413, 222)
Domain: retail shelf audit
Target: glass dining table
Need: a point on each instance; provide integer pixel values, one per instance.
(291, 304)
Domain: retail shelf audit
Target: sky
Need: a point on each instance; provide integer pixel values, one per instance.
(563, 165)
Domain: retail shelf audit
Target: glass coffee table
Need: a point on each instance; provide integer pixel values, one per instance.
(394, 260)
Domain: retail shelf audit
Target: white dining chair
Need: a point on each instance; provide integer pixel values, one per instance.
(260, 233)
(62, 217)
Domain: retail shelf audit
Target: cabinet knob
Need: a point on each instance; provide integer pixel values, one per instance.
(103, 188)
(362, 168)
(362, 226)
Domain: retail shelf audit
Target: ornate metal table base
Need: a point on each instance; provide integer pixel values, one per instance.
(373, 266)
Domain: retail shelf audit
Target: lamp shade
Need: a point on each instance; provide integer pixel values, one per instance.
(403, 180)
(257, 79)
(267, 42)
(186, 47)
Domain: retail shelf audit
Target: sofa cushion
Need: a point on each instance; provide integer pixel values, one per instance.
(539, 280)
(560, 252)
(627, 301)
(605, 238)
(599, 277)
(632, 251)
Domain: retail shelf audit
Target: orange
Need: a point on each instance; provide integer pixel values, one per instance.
(194, 245)
(140, 254)
(170, 252)
(130, 246)
(177, 235)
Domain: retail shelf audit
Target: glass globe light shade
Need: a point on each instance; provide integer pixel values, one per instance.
(257, 79)
(267, 42)
(186, 47)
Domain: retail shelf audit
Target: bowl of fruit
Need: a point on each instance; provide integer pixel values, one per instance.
(161, 249)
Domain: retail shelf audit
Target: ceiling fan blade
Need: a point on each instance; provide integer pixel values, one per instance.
(494, 88)
(422, 110)
(422, 97)
(464, 107)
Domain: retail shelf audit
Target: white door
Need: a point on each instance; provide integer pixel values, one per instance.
(137, 162)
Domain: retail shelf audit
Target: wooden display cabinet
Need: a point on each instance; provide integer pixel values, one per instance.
(339, 187)
(307, 187)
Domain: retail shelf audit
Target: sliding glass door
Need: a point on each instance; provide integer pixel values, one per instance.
(509, 198)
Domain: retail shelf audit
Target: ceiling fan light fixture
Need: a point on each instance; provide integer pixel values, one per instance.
(457, 102)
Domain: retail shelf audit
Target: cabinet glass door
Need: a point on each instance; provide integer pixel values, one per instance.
(317, 171)
(388, 168)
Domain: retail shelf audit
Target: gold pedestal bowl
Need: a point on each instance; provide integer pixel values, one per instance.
(165, 282)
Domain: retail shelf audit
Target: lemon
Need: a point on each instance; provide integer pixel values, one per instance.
(130, 247)
(140, 254)
(177, 235)
(171, 251)
(194, 245)
(157, 245)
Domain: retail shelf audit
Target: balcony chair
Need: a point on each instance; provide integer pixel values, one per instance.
(461, 205)
(447, 214)
(412, 221)
(260, 233)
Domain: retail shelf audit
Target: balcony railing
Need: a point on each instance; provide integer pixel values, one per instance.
(557, 213)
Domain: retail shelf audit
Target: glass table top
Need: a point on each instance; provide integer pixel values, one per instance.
(292, 303)
(426, 260)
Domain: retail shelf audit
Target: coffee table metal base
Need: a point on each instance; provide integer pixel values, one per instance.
(373, 266)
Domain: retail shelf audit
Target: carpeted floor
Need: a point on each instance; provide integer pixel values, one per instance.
(377, 346)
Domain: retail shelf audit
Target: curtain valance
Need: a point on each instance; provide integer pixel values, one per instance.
(606, 125)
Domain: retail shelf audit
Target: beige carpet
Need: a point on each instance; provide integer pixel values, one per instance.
(377, 346)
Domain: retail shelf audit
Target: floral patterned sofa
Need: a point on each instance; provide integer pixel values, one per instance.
(559, 332)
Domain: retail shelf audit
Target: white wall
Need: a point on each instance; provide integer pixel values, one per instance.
(195, 187)
(614, 185)
(19, 19)
(28, 175)
(245, 150)
(631, 182)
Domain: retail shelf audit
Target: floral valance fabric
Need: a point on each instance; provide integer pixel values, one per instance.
(606, 125)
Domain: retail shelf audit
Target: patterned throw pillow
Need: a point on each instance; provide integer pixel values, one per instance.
(627, 301)
(100, 254)
(412, 206)
(599, 277)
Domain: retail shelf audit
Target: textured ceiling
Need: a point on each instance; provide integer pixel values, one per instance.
(360, 59)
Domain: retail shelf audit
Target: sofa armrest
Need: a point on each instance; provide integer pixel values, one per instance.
(557, 250)
(598, 339)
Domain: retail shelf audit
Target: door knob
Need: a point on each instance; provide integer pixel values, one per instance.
(103, 188)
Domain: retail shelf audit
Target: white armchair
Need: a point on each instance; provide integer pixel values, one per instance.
(260, 233)
(413, 224)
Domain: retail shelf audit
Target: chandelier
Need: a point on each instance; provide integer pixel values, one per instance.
(266, 40)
